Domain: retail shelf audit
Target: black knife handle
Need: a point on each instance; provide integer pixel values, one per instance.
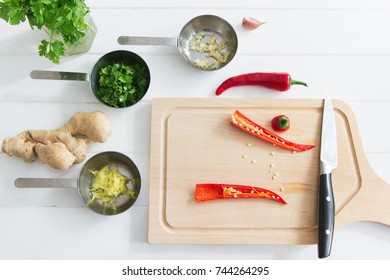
(326, 216)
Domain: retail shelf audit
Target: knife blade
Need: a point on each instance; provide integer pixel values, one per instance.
(328, 160)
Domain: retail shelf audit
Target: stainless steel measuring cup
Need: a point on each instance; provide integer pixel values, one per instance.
(85, 179)
(207, 25)
(119, 56)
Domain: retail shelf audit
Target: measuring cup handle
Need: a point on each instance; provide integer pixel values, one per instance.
(45, 183)
(59, 75)
(139, 40)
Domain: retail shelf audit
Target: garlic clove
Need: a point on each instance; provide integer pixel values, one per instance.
(250, 23)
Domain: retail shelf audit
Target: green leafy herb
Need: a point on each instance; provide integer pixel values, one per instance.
(122, 85)
(63, 17)
(52, 50)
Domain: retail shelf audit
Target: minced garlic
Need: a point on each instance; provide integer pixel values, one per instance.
(215, 51)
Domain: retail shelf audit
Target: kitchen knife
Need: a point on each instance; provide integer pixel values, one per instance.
(328, 158)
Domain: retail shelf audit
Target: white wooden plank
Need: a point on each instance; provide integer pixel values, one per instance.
(82, 235)
(372, 118)
(380, 163)
(131, 127)
(87, 236)
(131, 135)
(56, 197)
(264, 4)
(343, 77)
(302, 32)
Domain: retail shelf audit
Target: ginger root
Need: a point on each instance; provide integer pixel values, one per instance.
(64, 146)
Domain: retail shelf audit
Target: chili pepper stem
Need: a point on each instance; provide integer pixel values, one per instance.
(296, 82)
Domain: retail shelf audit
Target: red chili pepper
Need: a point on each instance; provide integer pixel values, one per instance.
(241, 121)
(276, 81)
(204, 192)
(280, 123)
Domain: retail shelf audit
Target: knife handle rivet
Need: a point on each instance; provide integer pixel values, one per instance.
(328, 198)
(327, 231)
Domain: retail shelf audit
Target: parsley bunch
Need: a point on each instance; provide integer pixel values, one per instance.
(64, 17)
(122, 85)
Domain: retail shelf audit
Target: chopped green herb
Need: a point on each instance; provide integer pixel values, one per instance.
(122, 85)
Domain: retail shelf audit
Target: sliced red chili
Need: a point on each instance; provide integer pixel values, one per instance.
(205, 192)
(247, 125)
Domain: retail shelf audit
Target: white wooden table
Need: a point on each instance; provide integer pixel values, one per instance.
(342, 47)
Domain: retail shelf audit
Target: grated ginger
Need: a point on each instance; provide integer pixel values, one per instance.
(108, 185)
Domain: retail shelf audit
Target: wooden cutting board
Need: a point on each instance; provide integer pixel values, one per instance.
(192, 141)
